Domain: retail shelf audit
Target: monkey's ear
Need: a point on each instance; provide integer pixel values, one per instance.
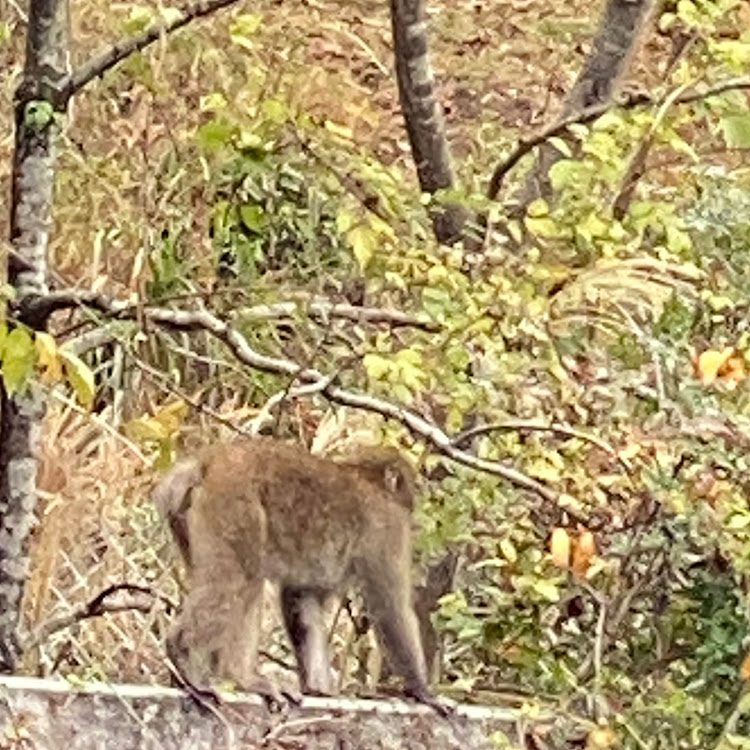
(393, 479)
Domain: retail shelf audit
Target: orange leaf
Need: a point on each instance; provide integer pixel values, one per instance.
(583, 552)
(559, 547)
(734, 369)
(709, 363)
(745, 668)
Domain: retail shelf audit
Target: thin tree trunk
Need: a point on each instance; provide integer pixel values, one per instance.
(39, 104)
(621, 27)
(423, 115)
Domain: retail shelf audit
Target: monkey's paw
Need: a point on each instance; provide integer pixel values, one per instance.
(277, 700)
(441, 706)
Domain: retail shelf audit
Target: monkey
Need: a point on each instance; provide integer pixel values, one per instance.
(260, 509)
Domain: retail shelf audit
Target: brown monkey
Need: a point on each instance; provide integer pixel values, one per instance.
(259, 509)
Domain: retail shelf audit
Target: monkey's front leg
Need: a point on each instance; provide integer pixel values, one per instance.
(302, 608)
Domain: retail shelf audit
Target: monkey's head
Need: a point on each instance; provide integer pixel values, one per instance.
(386, 467)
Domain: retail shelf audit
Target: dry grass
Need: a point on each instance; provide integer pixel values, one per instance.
(96, 528)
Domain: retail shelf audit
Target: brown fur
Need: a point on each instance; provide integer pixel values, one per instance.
(259, 509)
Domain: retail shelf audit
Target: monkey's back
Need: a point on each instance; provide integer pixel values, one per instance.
(313, 518)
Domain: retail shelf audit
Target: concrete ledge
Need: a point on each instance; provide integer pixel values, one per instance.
(55, 715)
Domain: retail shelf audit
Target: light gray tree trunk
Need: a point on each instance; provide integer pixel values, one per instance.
(40, 103)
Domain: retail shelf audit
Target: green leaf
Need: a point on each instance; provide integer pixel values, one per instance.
(547, 589)
(19, 357)
(568, 172)
(138, 20)
(544, 227)
(243, 28)
(678, 240)
(38, 114)
(364, 243)
(345, 220)
(538, 208)
(254, 218)
(736, 129)
(80, 377)
(275, 110)
(376, 366)
(215, 134)
(213, 102)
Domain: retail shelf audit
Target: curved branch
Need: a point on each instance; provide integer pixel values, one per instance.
(118, 52)
(554, 427)
(590, 114)
(97, 607)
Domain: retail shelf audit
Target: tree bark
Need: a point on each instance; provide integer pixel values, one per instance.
(423, 116)
(620, 28)
(39, 100)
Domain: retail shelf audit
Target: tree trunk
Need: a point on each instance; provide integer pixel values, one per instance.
(423, 116)
(38, 100)
(616, 40)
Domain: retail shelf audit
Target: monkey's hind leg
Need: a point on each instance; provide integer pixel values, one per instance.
(387, 592)
(302, 608)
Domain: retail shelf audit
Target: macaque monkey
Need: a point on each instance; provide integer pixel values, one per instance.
(257, 509)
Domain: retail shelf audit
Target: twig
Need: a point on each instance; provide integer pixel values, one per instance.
(637, 166)
(256, 424)
(106, 426)
(555, 427)
(369, 199)
(118, 52)
(361, 43)
(593, 113)
(96, 608)
(322, 311)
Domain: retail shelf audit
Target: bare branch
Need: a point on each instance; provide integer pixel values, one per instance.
(202, 320)
(590, 114)
(118, 52)
(322, 310)
(40, 307)
(97, 607)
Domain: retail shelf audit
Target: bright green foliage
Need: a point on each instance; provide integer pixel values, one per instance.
(24, 356)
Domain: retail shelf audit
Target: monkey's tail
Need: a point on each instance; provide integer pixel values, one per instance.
(172, 497)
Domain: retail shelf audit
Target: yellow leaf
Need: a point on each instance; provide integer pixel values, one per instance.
(509, 550)
(364, 242)
(601, 738)
(146, 429)
(171, 416)
(80, 377)
(48, 358)
(342, 131)
(709, 363)
(559, 547)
